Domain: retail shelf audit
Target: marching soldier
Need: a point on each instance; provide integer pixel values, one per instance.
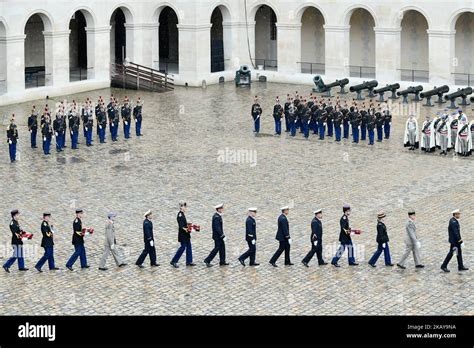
(12, 139)
(78, 243)
(256, 113)
(316, 240)
(184, 238)
(219, 238)
(110, 244)
(33, 127)
(137, 115)
(126, 113)
(47, 132)
(47, 243)
(17, 244)
(57, 127)
(455, 241)
(283, 237)
(412, 244)
(277, 116)
(149, 242)
(250, 238)
(382, 242)
(345, 239)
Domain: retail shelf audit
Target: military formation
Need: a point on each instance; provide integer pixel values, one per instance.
(186, 230)
(446, 132)
(68, 120)
(328, 118)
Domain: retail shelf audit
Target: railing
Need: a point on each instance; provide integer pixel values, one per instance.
(35, 78)
(78, 74)
(361, 71)
(414, 75)
(167, 66)
(137, 76)
(266, 64)
(312, 68)
(463, 79)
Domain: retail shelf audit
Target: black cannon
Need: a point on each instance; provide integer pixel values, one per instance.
(472, 101)
(439, 91)
(411, 90)
(460, 93)
(388, 88)
(369, 85)
(243, 76)
(321, 87)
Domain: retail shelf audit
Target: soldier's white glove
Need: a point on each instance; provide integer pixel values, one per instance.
(126, 123)
(86, 129)
(315, 243)
(31, 131)
(72, 132)
(152, 243)
(290, 241)
(383, 245)
(112, 246)
(224, 239)
(10, 142)
(56, 133)
(44, 138)
(100, 127)
(253, 241)
(418, 244)
(462, 245)
(113, 125)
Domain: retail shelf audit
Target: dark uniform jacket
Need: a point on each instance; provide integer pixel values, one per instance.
(283, 232)
(277, 112)
(345, 234)
(137, 112)
(183, 235)
(33, 122)
(382, 235)
(316, 231)
(256, 110)
(148, 232)
(250, 229)
(12, 134)
(77, 237)
(47, 240)
(16, 232)
(454, 231)
(217, 228)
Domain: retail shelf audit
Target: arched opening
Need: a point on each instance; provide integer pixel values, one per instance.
(266, 38)
(168, 41)
(78, 47)
(312, 42)
(118, 37)
(3, 59)
(37, 67)
(464, 48)
(414, 61)
(217, 41)
(362, 44)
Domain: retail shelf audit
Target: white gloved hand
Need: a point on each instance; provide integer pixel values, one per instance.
(56, 133)
(72, 132)
(315, 243)
(10, 142)
(86, 129)
(253, 241)
(112, 246)
(290, 241)
(31, 131)
(152, 243)
(126, 123)
(462, 245)
(44, 138)
(383, 245)
(418, 244)
(224, 239)
(100, 127)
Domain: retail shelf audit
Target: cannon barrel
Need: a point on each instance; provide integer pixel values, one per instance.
(244, 69)
(459, 93)
(365, 85)
(411, 90)
(435, 91)
(387, 88)
(472, 99)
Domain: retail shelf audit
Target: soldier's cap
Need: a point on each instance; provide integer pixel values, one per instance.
(182, 204)
(148, 213)
(411, 212)
(456, 211)
(46, 214)
(111, 214)
(14, 212)
(78, 211)
(253, 209)
(381, 215)
(317, 211)
(285, 208)
(219, 206)
(346, 207)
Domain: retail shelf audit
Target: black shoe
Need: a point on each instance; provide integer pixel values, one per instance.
(122, 265)
(103, 269)
(354, 264)
(322, 264)
(445, 269)
(39, 269)
(54, 269)
(155, 265)
(6, 269)
(305, 263)
(254, 264)
(224, 264)
(400, 266)
(371, 264)
(242, 262)
(420, 266)
(86, 266)
(336, 265)
(273, 264)
(289, 264)
(23, 269)
(463, 269)
(140, 266)
(174, 264)
(190, 264)
(390, 265)
(70, 268)
(208, 264)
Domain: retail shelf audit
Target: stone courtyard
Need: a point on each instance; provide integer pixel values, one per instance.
(198, 146)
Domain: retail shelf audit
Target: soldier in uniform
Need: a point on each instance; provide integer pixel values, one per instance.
(126, 113)
(137, 115)
(329, 121)
(428, 142)
(355, 124)
(345, 239)
(116, 118)
(149, 241)
(443, 131)
(17, 243)
(363, 123)
(57, 127)
(322, 119)
(101, 123)
(338, 123)
(305, 119)
(12, 139)
(379, 122)
(88, 120)
(316, 240)
(47, 132)
(411, 138)
(387, 122)
(287, 114)
(62, 114)
(184, 238)
(345, 121)
(110, 244)
(250, 238)
(74, 124)
(283, 237)
(219, 238)
(292, 118)
(256, 113)
(382, 242)
(463, 145)
(412, 244)
(277, 116)
(370, 122)
(47, 242)
(111, 116)
(78, 242)
(33, 127)
(455, 241)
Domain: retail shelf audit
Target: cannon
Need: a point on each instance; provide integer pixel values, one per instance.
(388, 88)
(472, 101)
(321, 87)
(369, 85)
(411, 90)
(243, 76)
(439, 91)
(460, 93)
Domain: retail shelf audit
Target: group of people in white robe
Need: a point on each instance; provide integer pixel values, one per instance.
(445, 132)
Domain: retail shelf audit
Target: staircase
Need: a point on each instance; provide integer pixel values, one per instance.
(139, 77)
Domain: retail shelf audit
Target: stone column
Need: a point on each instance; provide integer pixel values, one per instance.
(130, 42)
(388, 54)
(98, 53)
(142, 45)
(56, 57)
(194, 52)
(236, 34)
(15, 64)
(337, 50)
(231, 60)
(155, 45)
(441, 53)
(289, 47)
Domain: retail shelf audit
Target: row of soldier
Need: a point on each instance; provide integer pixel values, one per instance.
(324, 117)
(185, 230)
(446, 131)
(68, 120)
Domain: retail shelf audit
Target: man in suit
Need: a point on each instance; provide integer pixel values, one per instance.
(345, 239)
(455, 241)
(382, 242)
(17, 243)
(47, 243)
(283, 237)
(184, 238)
(219, 238)
(412, 244)
(316, 240)
(110, 244)
(78, 242)
(251, 238)
(149, 242)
